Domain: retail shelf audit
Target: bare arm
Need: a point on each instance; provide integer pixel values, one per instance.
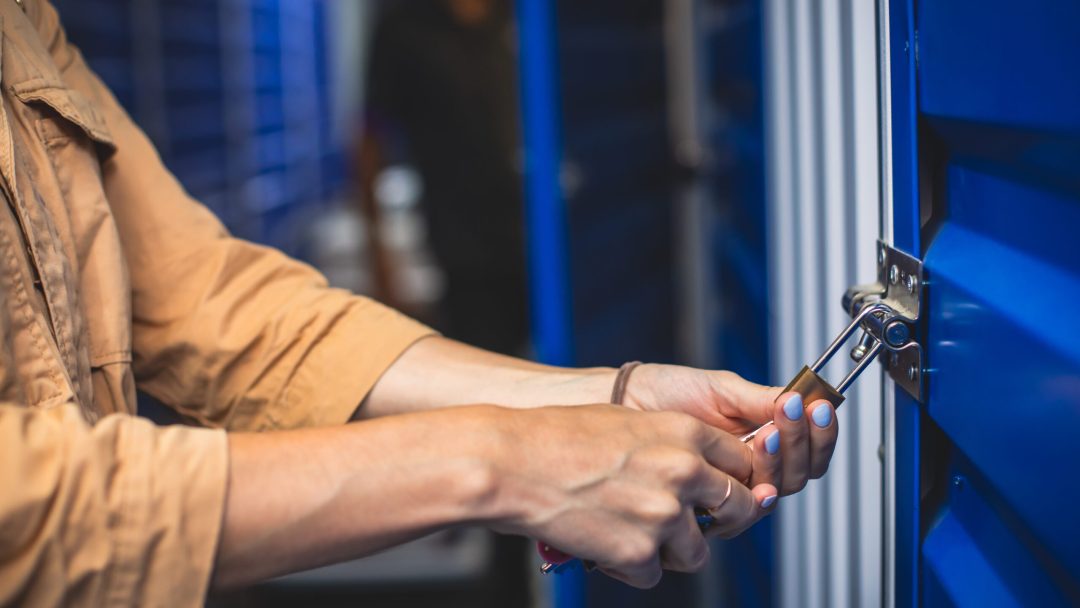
(621, 492)
(300, 499)
(438, 372)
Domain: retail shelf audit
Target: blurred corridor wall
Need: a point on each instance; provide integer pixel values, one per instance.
(823, 192)
(237, 95)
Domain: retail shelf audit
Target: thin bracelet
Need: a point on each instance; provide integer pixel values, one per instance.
(621, 379)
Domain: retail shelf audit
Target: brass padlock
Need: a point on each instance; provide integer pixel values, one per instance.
(809, 383)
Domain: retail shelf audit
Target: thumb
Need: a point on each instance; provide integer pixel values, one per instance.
(747, 400)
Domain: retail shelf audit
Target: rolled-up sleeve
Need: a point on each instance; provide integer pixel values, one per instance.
(227, 332)
(123, 513)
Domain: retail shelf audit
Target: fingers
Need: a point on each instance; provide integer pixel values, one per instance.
(744, 399)
(807, 440)
(725, 452)
(686, 550)
(767, 463)
(742, 509)
(733, 506)
(790, 420)
(823, 429)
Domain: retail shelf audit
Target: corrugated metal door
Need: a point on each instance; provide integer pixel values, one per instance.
(986, 190)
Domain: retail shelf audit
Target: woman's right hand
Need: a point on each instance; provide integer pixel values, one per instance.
(619, 487)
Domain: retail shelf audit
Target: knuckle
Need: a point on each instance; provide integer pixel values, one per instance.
(700, 559)
(695, 561)
(639, 551)
(687, 428)
(660, 510)
(684, 468)
(642, 556)
(695, 431)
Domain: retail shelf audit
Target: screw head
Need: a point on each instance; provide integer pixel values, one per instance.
(958, 481)
(894, 274)
(912, 372)
(881, 256)
(858, 353)
(911, 283)
(896, 333)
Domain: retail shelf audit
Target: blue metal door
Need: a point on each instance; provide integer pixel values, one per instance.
(986, 190)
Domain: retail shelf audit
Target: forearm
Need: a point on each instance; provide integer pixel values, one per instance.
(300, 499)
(437, 372)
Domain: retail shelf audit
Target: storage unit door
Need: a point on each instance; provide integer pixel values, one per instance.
(995, 216)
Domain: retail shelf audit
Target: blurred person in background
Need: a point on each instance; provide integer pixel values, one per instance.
(322, 426)
(441, 96)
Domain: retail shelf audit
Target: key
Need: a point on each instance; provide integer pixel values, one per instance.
(808, 383)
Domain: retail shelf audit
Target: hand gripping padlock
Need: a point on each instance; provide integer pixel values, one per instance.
(808, 383)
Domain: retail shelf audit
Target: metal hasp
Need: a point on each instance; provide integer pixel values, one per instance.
(898, 291)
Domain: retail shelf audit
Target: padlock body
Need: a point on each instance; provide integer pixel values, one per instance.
(813, 387)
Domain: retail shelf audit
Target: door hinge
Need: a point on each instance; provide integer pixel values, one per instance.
(889, 310)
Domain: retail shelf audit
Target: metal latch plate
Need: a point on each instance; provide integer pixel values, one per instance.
(900, 285)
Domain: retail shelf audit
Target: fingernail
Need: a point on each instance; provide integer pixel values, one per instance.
(767, 501)
(822, 415)
(772, 442)
(793, 408)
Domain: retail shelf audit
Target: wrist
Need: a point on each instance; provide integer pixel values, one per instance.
(480, 446)
(593, 385)
(508, 495)
(585, 386)
(489, 491)
(636, 393)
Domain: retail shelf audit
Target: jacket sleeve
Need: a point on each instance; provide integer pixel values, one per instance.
(92, 516)
(227, 332)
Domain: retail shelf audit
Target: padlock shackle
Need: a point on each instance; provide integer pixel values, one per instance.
(859, 367)
(841, 339)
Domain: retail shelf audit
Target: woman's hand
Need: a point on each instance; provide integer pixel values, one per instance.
(618, 487)
(805, 437)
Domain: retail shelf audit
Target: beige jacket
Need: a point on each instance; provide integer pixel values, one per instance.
(111, 276)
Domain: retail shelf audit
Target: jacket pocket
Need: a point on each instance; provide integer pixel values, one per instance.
(69, 104)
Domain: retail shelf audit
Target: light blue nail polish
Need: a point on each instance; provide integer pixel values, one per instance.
(793, 407)
(767, 501)
(772, 442)
(822, 415)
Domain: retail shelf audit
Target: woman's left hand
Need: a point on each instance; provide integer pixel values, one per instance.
(798, 449)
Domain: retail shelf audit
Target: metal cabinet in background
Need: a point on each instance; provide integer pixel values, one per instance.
(643, 125)
(985, 189)
(236, 96)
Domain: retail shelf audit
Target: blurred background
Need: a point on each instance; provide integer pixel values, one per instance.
(582, 183)
(689, 181)
(579, 182)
